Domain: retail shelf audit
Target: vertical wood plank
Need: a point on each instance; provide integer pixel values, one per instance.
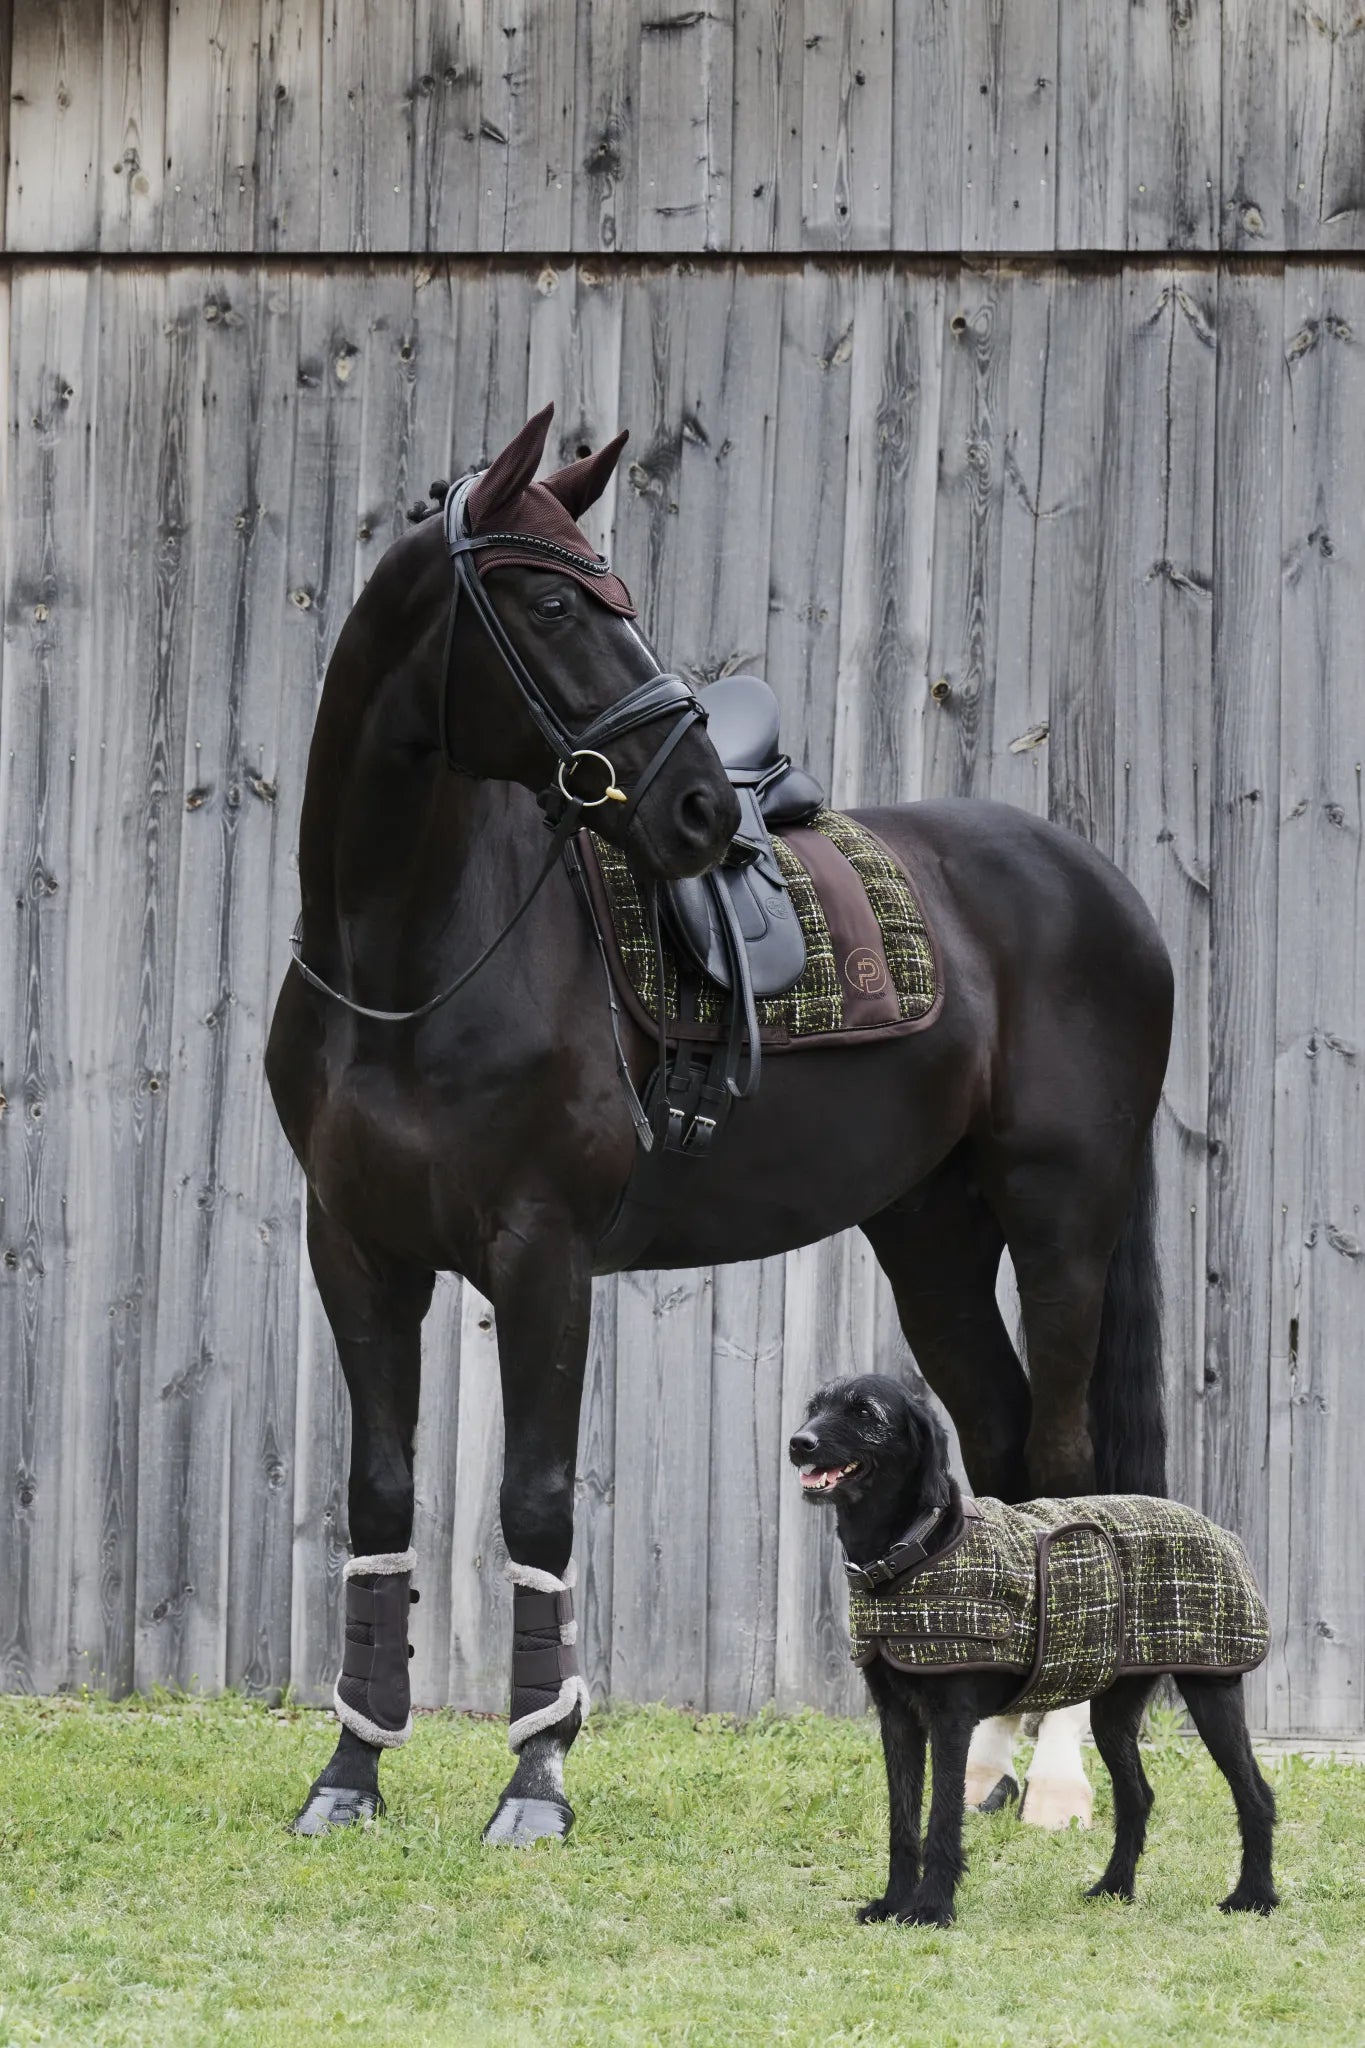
(219, 1417)
(894, 406)
(747, 1469)
(769, 63)
(211, 108)
(1080, 533)
(663, 1457)
(806, 551)
(927, 143)
(1021, 699)
(606, 153)
(973, 437)
(480, 1598)
(595, 1520)
(319, 412)
(288, 124)
(1255, 160)
(127, 813)
(446, 117)
(1318, 1287)
(1092, 126)
(1174, 154)
(132, 125)
(366, 126)
(526, 178)
(1243, 915)
(846, 181)
(828, 1330)
(1162, 763)
(1324, 72)
(1009, 127)
(54, 126)
(685, 126)
(51, 408)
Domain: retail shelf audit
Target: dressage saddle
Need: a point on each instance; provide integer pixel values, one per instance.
(736, 925)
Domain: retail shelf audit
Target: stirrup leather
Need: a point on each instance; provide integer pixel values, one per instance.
(547, 1683)
(373, 1697)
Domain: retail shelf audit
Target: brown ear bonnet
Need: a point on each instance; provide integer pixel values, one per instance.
(505, 500)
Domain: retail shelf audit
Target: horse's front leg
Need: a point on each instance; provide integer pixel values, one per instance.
(542, 1300)
(375, 1306)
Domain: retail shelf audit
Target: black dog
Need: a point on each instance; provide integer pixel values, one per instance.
(880, 1455)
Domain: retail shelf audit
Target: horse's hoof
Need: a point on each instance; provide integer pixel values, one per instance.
(1057, 1802)
(1004, 1792)
(519, 1822)
(335, 1806)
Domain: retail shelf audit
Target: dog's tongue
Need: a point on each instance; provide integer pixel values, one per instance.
(819, 1482)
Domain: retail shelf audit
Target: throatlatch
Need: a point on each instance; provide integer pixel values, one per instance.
(373, 1697)
(547, 1684)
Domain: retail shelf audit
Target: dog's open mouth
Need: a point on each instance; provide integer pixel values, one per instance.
(824, 1479)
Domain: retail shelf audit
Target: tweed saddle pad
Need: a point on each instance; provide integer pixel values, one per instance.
(1071, 1594)
(871, 970)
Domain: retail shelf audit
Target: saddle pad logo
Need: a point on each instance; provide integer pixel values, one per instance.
(865, 971)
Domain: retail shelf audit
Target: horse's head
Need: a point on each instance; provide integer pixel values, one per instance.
(567, 622)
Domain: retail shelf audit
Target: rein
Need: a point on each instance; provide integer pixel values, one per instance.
(654, 698)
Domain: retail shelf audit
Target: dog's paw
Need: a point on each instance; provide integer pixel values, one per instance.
(1245, 1899)
(919, 1909)
(925, 1913)
(1105, 1890)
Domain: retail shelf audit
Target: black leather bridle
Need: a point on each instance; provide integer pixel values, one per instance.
(657, 697)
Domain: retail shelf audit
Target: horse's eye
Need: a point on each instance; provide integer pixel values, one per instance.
(550, 608)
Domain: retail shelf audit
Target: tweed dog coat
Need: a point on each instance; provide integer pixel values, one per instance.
(1071, 1594)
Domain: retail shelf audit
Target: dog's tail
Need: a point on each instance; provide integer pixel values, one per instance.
(1127, 1412)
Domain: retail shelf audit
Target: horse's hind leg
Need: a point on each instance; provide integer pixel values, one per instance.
(540, 1285)
(940, 1249)
(1115, 1718)
(375, 1307)
(1218, 1710)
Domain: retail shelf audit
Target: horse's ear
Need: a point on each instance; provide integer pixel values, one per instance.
(495, 497)
(582, 483)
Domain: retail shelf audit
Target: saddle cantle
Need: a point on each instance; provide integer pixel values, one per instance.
(743, 905)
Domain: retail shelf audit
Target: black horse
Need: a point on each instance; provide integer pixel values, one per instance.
(488, 1136)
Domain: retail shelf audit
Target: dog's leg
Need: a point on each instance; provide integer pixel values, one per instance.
(991, 1778)
(903, 1747)
(1218, 1710)
(1058, 1790)
(1115, 1718)
(931, 1902)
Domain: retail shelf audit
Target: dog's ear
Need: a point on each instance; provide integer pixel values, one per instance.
(928, 1446)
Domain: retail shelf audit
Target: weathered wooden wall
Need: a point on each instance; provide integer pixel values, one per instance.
(1089, 537)
(548, 126)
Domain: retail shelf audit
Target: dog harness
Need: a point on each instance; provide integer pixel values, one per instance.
(1071, 1594)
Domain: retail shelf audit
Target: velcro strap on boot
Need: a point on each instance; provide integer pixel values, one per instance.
(373, 1697)
(547, 1685)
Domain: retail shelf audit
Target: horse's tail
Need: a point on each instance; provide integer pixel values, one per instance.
(1127, 1413)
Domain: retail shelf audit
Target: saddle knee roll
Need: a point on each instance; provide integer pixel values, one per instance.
(547, 1682)
(373, 1696)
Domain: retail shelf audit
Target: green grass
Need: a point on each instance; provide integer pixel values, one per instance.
(149, 1893)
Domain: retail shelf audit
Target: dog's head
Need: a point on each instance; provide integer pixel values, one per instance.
(868, 1436)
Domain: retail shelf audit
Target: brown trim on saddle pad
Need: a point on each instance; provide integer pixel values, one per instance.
(849, 972)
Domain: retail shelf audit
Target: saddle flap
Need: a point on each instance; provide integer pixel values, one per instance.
(774, 942)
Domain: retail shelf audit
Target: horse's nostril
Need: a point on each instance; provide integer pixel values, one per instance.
(698, 812)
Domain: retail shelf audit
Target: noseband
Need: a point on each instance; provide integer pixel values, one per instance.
(655, 698)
